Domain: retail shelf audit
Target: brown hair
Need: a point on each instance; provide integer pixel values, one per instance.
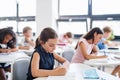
(46, 33)
(90, 34)
(69, 34)
(107, 29)
(25, 29)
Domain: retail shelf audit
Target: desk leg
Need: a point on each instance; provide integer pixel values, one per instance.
(12, 71)
(102, 68)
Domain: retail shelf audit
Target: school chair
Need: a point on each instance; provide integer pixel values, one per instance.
(20, 68)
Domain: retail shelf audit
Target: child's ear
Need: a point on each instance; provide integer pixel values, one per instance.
(41, 42)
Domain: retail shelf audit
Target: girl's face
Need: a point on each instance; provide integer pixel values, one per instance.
(28, 33)
(7, 38)
(50, 45)
(97, 38)
(107, 34)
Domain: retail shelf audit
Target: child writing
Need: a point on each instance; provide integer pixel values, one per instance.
(42, 60)
(86, 47)
(103, 43)
(66, 38)
(27, 42)
(7, 45)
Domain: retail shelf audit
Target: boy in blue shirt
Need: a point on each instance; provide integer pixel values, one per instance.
(103, 43)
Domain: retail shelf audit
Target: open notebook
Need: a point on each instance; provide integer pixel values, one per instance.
(90, 74)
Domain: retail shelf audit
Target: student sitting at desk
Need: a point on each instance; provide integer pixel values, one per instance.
(66, 38)
(86, 47)
(42, 60)
(27, 42)
(7, 45)
(103, 43)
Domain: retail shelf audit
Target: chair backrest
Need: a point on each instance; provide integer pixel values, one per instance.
(20, 68)
(68, 54)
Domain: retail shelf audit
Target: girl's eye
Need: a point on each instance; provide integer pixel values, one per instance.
(51, 45)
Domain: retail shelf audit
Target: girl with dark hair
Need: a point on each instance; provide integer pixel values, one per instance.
(42, 60)
(7, 45)
(86, 47)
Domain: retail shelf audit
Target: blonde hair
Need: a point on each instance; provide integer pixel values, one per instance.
(25, 29)
(107, 29)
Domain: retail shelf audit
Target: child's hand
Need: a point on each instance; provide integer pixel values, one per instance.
(66, 64)
(5, 51)
(60, 70)
(104, 56)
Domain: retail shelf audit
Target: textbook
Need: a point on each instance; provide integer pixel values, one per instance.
(90, 74)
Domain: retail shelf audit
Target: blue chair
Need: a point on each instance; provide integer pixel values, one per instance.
(68, 54)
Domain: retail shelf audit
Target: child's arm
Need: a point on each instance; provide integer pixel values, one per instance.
(24, 47)
(84, 52)
(8, 50)
(32, 43)
(109, 43)
(36, 72)
(62, 60)
(4, 51)
(13, 49)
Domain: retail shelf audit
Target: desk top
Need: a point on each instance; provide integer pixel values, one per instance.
(28, 52)
(75, 73)
(112, 59)
(103, 62)
(5, 57)
(109, 50)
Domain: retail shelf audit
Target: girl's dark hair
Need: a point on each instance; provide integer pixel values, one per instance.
(46, 33)
(90, 34)
(69, 34)
(6, 31)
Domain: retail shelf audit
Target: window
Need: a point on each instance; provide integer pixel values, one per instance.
(26, 10)
(103, 7)
(7, 8)
(5, 24)
(115, 25)
(27, 7)
(31, 24)
(73, 7)
(74, 27)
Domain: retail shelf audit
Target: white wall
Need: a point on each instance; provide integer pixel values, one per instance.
(46, 14)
